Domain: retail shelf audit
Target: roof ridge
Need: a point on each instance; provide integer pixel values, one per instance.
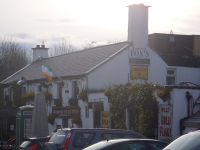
(87, 49)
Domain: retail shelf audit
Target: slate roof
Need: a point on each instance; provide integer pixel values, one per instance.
(177, 53)
(6, 111)
(71, 64)
(193, 121)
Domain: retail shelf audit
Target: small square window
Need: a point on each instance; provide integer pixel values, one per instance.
(171, 77)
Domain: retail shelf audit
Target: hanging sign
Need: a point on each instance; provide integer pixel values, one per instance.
(139, 72)
(165, 122)
(104, 119)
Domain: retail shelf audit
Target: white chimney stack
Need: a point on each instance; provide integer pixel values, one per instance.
(40, 51)
(138, 25)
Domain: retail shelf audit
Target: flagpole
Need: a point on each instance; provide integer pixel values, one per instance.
(54, 72)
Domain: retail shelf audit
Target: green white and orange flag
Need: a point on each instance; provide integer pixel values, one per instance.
(47, 72)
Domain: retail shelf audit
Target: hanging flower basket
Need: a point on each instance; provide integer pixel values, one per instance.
(25, 97)
(77, 121)
(108, 93)
(83, 95)
(48, 96)
(30, 96)
(50, 119)
(163, 94)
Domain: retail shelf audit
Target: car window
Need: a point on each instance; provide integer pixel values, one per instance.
(131, 136)
(108, 136)
(58, 138)
(157, 146)
(82, 139)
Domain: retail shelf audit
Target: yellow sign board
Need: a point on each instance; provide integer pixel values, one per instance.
(139, 72)
(104, 119)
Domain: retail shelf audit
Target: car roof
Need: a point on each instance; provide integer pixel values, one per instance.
(123, 140)
(100, 129)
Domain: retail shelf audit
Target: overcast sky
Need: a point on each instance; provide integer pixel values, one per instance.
(83, 21)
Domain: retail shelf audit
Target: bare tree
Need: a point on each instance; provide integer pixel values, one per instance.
(90, 45)
(12, 56)
(61, 47)
(115, 41)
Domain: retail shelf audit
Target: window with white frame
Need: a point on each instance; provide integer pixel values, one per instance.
(171, 77)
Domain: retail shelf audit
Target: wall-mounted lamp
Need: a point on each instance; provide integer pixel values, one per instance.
(188, 95)
(23, 80)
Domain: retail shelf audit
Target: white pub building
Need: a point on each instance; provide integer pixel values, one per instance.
(165, 59)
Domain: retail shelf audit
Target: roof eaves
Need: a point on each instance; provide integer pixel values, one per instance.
(106, 59)
(15, 73)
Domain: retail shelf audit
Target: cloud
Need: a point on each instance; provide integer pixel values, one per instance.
(64, 20)
(23, 36)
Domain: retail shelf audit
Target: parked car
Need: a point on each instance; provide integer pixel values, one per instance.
(128, 144)
(189, 141)
(35, 143)
(73, 139)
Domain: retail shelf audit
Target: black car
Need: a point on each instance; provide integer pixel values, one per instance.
(79, 138)
(35, 143)
(128, 144)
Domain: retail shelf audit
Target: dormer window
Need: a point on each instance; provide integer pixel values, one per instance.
(171, 77)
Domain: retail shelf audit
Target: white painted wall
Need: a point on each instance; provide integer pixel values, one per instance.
(157, 72)
(180, 108)
(114, 71)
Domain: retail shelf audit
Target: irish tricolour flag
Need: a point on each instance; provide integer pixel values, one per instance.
(47, 72)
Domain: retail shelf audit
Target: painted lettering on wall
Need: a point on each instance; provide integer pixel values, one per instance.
(140, 53)
(165, 122)
(139, 72)
(104, 119)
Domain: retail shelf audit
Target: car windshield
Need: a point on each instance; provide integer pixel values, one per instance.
(98, 145)
(189, 141)
(58, 138)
